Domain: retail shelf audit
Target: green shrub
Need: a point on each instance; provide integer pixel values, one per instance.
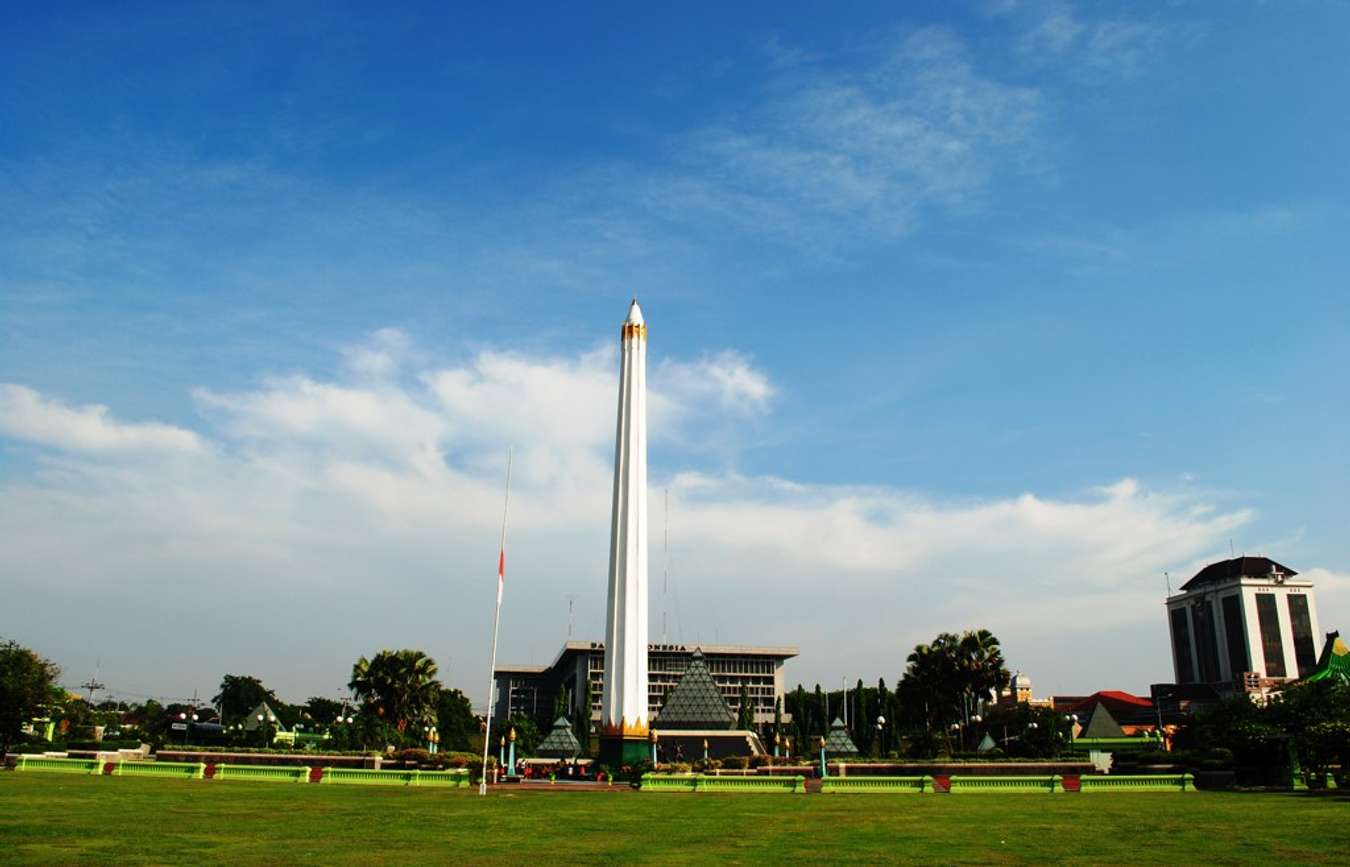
(277, 751)
(105, 745)
(461, 759)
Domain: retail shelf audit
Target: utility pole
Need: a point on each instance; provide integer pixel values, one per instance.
(92, 684)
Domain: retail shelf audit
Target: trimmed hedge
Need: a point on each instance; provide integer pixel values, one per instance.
(263, 751)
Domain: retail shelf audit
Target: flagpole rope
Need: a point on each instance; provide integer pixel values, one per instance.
(496, 621)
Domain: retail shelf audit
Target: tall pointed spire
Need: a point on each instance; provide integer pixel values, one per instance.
(624, 699)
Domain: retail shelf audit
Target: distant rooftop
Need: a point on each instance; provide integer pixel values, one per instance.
(1238, 567)
(778, 652)
(711, 650)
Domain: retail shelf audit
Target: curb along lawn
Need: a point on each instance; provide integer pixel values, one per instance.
(61, 819)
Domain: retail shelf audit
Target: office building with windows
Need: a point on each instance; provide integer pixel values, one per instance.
(1248, 624)
(531, 690)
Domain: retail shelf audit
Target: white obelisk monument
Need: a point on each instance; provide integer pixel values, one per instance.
(623, 714)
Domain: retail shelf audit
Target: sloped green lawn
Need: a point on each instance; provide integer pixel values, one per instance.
(49, 818)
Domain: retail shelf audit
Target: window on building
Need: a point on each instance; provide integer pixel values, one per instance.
(1300, 624)
(1206, 640)
(1235, 635)
(1272, 645)
(1181, 645)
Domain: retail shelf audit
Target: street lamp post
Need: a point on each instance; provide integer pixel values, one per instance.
(823, 769)
(265, 726)
(653, 740)
(881, 734)
(1072, 720)
(187, 726)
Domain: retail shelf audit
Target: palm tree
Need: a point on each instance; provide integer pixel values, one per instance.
(982, 665)
(949, 677)
(399, 686)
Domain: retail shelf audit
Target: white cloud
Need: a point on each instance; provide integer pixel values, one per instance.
(27, 415)
(727, 379)
(1333, 599)
(917, 130)
(381, 355)
(1053, 31)
(365, 513)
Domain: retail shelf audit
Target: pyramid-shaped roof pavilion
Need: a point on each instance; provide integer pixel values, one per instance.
(264, 710)
(1102, 724)
(695, 702)
(839, 743)
(561, 743)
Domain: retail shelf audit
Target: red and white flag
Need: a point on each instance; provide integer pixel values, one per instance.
(501, 573)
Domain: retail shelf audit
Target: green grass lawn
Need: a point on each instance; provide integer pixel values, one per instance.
(54, 818)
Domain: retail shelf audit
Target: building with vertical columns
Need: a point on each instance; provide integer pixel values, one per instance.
(1243, 625)
(530, 690)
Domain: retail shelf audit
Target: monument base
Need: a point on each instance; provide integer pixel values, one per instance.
(617, 751)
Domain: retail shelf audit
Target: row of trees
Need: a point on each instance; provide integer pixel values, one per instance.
(1307, 725)
(951, 679)
(397, 699)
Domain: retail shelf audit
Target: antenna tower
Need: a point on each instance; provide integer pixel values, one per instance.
(93, 684)
(571, 620)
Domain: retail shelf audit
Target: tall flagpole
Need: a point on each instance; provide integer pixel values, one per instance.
(496, 620)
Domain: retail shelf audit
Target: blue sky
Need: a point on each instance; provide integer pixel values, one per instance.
(961, 314)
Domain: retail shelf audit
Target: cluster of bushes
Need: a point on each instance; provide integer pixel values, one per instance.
(279, 751)
(1212, 759)
(1306, 727)
(108, 744)
(35, 746)
(448, 759)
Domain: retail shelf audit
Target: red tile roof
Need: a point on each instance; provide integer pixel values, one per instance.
(1112, 698)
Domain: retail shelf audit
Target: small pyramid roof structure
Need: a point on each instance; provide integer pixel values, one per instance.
(839, 743)
(561, 743)
(696, 702)
(1335, 661)
(986, 744)
(251, 721)
(1102, 724)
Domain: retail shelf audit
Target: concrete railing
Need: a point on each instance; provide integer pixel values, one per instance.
(1137, 783)
(266, 773)
(365, 777)
(913, 785)
(707, 783)
(452, 779)
(966, 785)
(178, 770)
(669, 782)
(61, 766)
